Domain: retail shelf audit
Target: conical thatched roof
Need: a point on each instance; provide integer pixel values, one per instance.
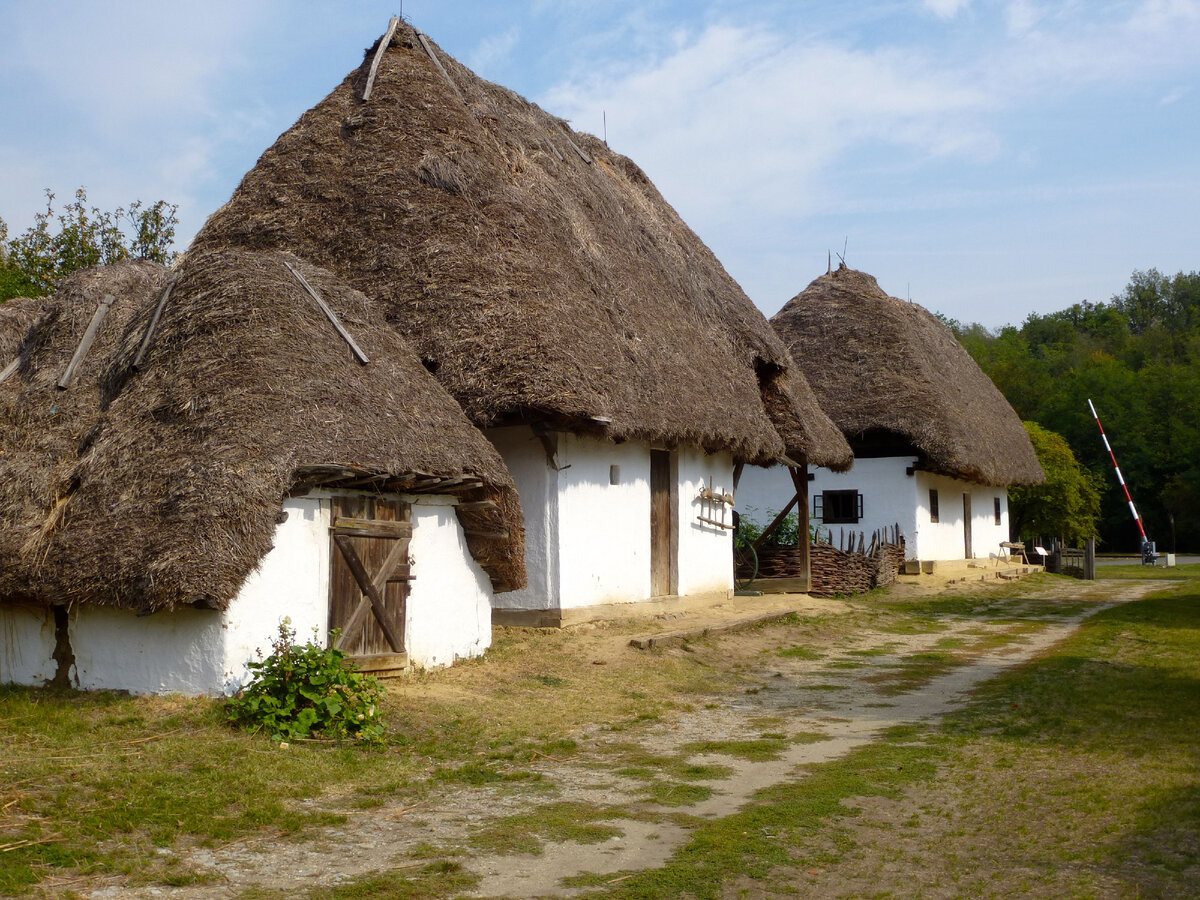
(538, 286)
(161, 487)
(16, 317)
(883, 366)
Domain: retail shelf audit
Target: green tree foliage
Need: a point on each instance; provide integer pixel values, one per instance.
(78, 236)
(1137, 358)
(1066, 505)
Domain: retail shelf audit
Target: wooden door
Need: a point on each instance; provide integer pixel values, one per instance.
(368, 579)
(662, 523)
(967, 525)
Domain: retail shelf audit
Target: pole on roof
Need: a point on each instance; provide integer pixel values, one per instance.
(85, 345)
(383, 45)
(329, 314)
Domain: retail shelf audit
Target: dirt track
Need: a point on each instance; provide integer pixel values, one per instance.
(838, 701)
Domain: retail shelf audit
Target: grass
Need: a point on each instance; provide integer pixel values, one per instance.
(1076, 768)
(1075, 776)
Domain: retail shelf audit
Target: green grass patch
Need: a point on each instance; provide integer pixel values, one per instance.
(565, 821)
(799, 653)
(760, 750)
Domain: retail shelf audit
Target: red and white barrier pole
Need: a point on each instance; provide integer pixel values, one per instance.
(1133, 509)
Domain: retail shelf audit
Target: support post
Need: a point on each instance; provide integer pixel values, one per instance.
(800, 480)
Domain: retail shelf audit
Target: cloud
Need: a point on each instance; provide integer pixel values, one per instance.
(494, 50)
(946, 9)
(740, 117)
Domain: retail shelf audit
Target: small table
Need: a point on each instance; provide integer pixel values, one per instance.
(1009, 547)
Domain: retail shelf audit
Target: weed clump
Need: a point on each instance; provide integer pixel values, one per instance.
(305, 691)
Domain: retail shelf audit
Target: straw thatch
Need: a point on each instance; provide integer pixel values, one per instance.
(886, 370)
(536, 285)
(16, 317)
(162, 487)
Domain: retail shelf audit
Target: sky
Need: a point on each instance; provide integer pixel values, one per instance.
(987, 160)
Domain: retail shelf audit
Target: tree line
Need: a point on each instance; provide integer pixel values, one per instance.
(1137, 357)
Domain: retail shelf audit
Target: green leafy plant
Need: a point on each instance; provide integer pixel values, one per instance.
(303, 690)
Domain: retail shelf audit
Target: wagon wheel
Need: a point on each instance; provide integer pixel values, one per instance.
(745, 559)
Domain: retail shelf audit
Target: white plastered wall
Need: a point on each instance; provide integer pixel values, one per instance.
(205, 651)
(26, 645)
(892, 497)
(449, 609)
(889, 494)
(945, 539)
(587, 539)
(705, 551)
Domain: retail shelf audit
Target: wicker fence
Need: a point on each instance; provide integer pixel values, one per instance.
(833, 570)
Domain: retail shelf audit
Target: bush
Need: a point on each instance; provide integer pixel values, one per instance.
(302, 690)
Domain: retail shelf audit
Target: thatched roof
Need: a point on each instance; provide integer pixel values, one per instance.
(161, 487)
(16, 317)
(536, 285)
(881, 366)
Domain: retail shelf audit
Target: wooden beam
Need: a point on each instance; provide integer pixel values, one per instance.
(329, 314)
(10, 368)
(89, 338)
(437, 62)
(574, 146)
(477, 504)
(364, 582)
(152, 325)
(775, 523)
(800, 482)
(371, 528)
(737, 475)
(383, 45)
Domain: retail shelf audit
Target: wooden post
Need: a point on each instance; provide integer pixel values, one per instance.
(85, 345)
(438, 63)
(329, 314)
(10, 368)
(1089, 560)
(800, 480)
(153, 324)
(383, 45)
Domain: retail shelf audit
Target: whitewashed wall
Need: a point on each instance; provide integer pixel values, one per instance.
(587, 540)
(945, 539)
(26, 645)
(449, 607)
(705, 552)
(890, 496)
(537, 486)
(205, 651)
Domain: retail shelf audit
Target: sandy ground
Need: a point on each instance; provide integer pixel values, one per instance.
(848, 707)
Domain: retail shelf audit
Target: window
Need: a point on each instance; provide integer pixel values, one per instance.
(838, 507)
(933, 505)
(997, 510)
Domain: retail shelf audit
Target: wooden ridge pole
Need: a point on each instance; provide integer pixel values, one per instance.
(329, 314)
(89, 338)
(383, 45)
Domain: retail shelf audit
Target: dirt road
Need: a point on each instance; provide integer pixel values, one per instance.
(803, 704)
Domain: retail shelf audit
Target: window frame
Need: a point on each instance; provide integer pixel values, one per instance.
(820, 505)
(934, 512)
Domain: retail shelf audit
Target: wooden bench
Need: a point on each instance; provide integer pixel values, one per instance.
(1010, 547)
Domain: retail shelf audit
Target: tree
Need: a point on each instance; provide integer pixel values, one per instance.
(60, 242)
(1066, 505)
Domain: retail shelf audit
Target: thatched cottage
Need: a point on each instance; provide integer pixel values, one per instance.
(935, 443)
(551, 290)
(218, 458)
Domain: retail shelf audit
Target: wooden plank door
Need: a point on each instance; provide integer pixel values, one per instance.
(662, 523)
(368, 579)
(967, 525)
